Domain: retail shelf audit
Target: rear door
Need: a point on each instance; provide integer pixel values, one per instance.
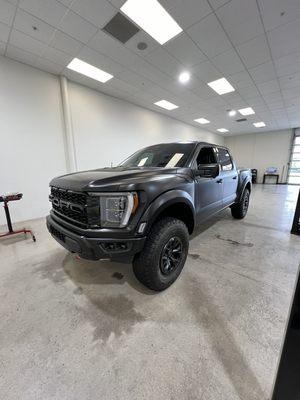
(228, 175)
(208, 191)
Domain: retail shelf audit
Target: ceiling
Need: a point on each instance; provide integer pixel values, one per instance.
(255, 44)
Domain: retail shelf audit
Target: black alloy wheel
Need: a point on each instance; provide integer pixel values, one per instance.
(171, 255)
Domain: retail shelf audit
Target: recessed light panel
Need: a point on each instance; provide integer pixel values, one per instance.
(221, 86)
(152, 18)
(89, 70)
(259, 124)
(202, 121)
(166, 104)
(246, 111)
(222, 130)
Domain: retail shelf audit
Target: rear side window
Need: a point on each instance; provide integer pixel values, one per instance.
(224, 159)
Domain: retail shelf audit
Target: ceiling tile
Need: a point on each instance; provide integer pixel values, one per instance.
(283, 39)
(57, 56)
(104, 43)
(95, 11)
(49, 66)
(263, 73)
(136, 80)
(272, 97)
(77, 27)
(122, 85)
(278, 12)
(100, 60)
(50, 11)
(4, 32)
(2, 48)
(255, 51)
(185, 50)
(21, 55)
(217, 3)
(164, 61)
(143, 37)
(290, 81)
(26, 23)
(269, 87)
(241, 20)
(117, 3)
(204, 91)
(240, 80)
(248, 92)
(26, 43)
(66, 43)
(187, 12)
(228, 62)
(7, 12)
(287, 65)
(210, 37)
(206, 72)
(66, 3)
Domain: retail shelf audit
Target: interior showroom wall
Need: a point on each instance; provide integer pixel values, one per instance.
(262, 150)
(105, 130)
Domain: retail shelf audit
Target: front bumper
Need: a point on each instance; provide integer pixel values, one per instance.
(116, 249)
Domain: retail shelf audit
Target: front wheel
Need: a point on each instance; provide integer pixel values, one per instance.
(164, 254)
(239, 210)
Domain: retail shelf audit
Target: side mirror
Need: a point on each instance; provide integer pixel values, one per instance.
(209, 170)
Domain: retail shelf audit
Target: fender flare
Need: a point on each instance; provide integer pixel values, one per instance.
(242, 188)
(164, 201)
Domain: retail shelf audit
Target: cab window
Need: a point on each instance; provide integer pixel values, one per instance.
(224, 159)
(206, 156)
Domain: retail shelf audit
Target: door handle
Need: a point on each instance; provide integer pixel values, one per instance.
(235, 177)
(219, 180)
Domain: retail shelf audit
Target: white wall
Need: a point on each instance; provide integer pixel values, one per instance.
(109, 130)
(32, 133)
(31, 141)
(262, 150)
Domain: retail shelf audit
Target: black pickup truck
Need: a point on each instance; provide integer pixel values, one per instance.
(144, 210)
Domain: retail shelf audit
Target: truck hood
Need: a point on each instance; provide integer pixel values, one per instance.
(119, 178)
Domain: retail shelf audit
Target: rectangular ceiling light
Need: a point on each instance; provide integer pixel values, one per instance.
(259, 124)
(89, 70)
(246, 111)
(166, 104)
(222, 130)
(152, 18)
(202, 121)
(221, 86)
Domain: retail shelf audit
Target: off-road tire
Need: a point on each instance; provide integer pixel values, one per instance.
(239, 210)
(147, 265)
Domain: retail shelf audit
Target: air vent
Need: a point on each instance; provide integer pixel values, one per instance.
(121, 28)
(241, 120)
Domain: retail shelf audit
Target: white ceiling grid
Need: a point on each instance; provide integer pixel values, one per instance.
(253, 43)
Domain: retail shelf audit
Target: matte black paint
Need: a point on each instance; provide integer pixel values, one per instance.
(158, 189)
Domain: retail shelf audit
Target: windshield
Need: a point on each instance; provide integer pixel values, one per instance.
(161, 155)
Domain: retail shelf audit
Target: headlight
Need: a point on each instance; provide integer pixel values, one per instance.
(116, 208)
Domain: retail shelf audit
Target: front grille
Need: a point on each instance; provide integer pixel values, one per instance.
(57, 234)
(69, 195)
(75, 207)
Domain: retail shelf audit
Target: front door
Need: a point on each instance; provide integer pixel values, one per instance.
(208, 191)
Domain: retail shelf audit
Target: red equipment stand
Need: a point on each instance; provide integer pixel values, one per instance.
(5, 199)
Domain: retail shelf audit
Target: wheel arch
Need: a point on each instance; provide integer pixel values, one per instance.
(177, 204)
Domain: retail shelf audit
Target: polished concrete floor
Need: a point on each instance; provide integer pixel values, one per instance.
(72, 329)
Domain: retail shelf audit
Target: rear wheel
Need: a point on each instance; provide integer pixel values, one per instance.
(239, 210)
(163, 256)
